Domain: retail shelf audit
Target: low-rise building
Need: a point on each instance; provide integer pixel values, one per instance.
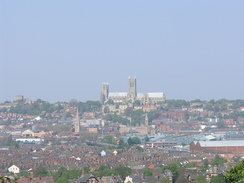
(14, 169)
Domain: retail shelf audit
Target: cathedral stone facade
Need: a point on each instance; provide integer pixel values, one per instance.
(131, 96)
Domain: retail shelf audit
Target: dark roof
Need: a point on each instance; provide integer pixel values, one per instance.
(136, 179)
(150, 179)
(85, 178)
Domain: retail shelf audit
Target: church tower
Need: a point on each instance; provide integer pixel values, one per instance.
(77, 122)
(132, 93)
(104, 93)
(147, 124)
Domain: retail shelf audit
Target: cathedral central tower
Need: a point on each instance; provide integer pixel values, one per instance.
(132, 93)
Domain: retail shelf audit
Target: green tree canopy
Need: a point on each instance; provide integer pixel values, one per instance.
(122, 171)
(200, 179)
(63, 175)
(165, 180)
(146, 139)
(86, 169)
(235, 174)
(109, 139)
(217, 161)
(134, 140)
(174, 168)
(217, 179)
(103, 171)
(40, 172)
(205, 164)
(139, 148)
(147, 172)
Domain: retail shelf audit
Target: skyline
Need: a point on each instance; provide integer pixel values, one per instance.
(58, 51)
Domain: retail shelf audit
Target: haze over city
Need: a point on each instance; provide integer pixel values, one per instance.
(57, 51)
(121, 91)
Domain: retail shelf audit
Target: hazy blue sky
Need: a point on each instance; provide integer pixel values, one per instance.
(59, 50)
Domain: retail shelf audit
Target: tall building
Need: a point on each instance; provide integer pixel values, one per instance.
(105, 92)
(77, 123)
(132, 93)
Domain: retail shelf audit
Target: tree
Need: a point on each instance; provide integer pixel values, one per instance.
(190, 165)
(62, 180)
(74, 174)
(86, 169)
(129, 111)
(23, 174)
(40, 172)
(121, 142)
(174, 168)
(137, 103)
(147, 172)
(217, 161)
(109, 139)
(63, 175)
(134, 140)
(122, 171)
(9, 179)
(103, 171)
(62, 172)
(181, 179)
(200, 179)
(217, 179)
(146, 139)
(235, 174)
(165, 180)
(110, 102)
(139, 148)
(205, 164)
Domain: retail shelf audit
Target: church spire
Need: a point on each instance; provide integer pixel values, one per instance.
(77, 122)
(146, 120)
(147, 123)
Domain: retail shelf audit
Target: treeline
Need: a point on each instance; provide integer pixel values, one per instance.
(63, 175)
(60, 176)
(213, 105)
(234, 175)
(121, 144)
(104, 170)
(40, 107)
(137, 117)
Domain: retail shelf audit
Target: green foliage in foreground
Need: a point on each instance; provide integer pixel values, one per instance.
(8, 180)
(86, 169)
(165, 180)
(217, 179)
(235, 174)
(200, 179)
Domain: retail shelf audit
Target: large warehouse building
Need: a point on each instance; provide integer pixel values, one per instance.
(235, 147)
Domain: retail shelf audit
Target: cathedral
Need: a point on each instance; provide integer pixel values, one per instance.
(131, 96)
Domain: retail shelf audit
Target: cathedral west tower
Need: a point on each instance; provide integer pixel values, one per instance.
(132, 93)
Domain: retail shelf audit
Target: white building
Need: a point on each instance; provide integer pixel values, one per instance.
(14, 169)
(128, 179)
(30, 140)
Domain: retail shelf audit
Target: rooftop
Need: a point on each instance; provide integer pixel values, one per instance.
(224, 143)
